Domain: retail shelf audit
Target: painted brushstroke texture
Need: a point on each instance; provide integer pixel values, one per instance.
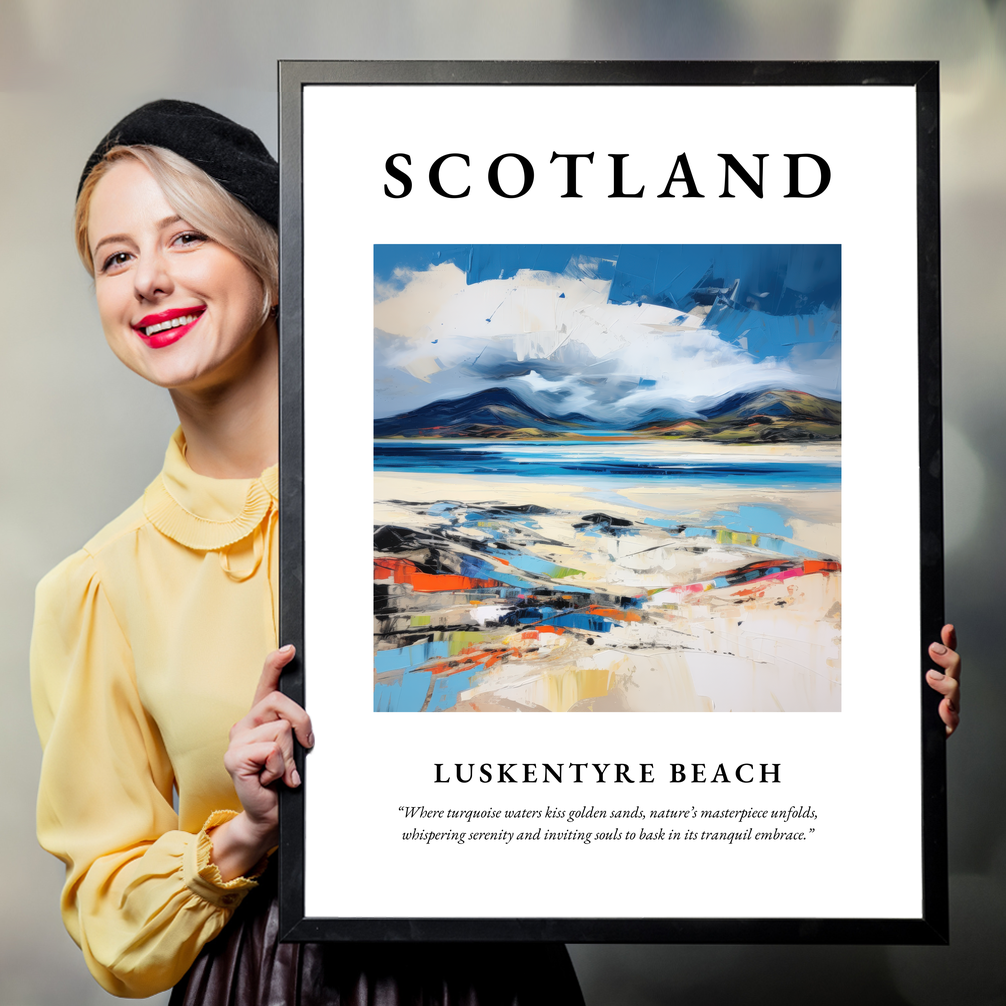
(609, 336)
(607, 479)
(535, 595)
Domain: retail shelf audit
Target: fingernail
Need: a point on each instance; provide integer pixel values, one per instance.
(295, 777)
(310, 740)
(936, 675)
(287, 649)
(938, 648)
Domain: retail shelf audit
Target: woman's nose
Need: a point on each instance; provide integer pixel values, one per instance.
(152, 277)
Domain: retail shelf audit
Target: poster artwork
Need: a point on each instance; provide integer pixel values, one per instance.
(607, 478)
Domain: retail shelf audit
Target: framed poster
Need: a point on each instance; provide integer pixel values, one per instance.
(633, 370)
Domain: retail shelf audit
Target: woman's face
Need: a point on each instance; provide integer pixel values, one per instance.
(177, 308)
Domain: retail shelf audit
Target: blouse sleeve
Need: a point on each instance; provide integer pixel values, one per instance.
(141, 898)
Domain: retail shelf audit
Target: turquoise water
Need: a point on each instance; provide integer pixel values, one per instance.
(599, 462)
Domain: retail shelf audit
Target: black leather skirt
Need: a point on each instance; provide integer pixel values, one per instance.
(246, 965)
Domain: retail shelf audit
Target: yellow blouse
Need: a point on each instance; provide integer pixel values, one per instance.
(147, 647)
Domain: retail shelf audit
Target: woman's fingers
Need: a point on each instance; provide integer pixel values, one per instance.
(950, 716)
(949, 688)
(261, 761)
(949, 636)
(270, 703)
(277, 735)
(946, 681)
(274, 766)
(944, 684)
(271, 670)
(277, 706)
(949, 709)
(261, 749)
(948, 658)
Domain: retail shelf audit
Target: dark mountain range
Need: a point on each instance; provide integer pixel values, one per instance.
(496, 409)
(746, 417)
(757, 417)
(784, 404)
(728, 404)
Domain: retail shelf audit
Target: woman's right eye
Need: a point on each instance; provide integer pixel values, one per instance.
(114, 261)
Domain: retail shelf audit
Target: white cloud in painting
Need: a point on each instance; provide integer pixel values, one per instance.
(557, 341)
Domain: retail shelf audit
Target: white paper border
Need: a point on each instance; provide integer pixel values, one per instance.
(860, 768)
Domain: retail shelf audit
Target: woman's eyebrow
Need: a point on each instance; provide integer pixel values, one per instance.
(109, 240)
(160, 225)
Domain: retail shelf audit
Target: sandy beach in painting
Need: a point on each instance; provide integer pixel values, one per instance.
(695, 592)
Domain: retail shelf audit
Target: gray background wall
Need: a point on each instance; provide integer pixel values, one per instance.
(82, 436)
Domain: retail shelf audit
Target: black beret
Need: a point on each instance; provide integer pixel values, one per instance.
(230, 154)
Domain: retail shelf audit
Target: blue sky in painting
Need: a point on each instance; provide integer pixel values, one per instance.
(610, 331)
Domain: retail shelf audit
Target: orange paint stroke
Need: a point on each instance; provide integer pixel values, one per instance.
(429, 583)
(405, 571)
(817, 566)
(628, 615)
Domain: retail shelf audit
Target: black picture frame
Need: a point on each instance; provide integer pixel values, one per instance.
(932, 926)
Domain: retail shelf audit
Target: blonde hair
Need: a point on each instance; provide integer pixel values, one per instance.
(199, 200)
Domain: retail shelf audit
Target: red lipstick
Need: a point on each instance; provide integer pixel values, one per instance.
(165, 333)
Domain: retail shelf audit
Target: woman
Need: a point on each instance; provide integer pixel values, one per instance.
(149, 642)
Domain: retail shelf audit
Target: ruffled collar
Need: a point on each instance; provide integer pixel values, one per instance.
(203, 513)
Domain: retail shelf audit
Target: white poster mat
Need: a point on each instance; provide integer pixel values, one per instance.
(859, 769)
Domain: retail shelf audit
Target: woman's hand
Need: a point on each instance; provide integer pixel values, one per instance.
(260, 753)
(947, 682)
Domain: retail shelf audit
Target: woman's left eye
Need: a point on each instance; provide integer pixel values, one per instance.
(189, 238)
